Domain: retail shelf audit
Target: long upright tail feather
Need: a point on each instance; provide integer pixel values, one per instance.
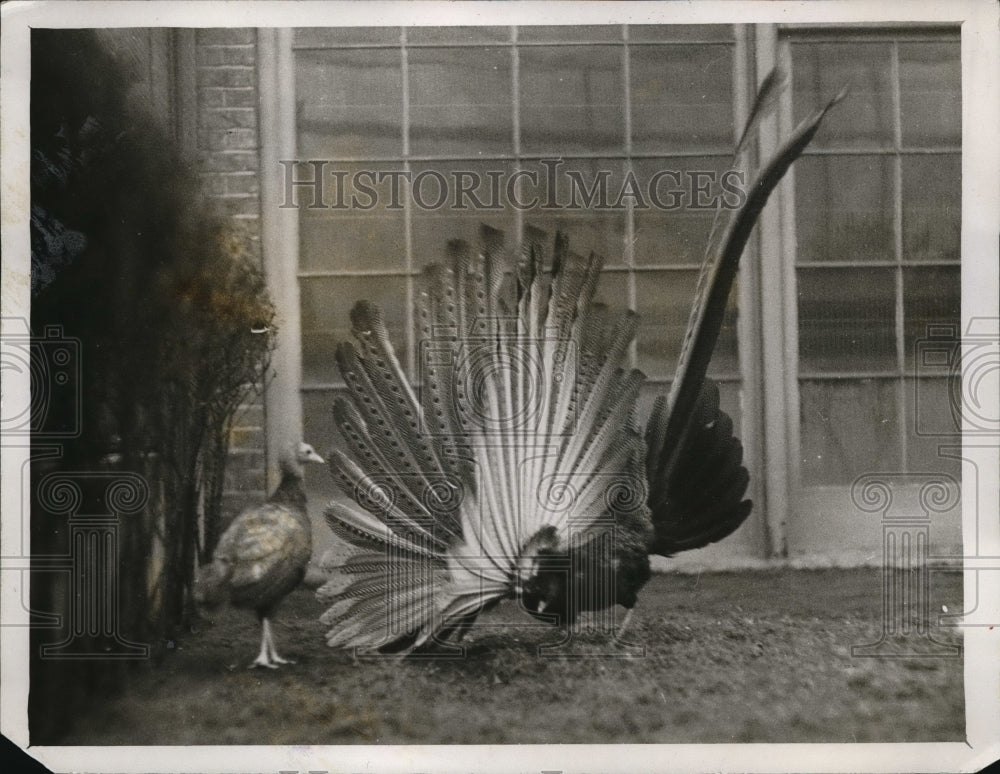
(674, 429)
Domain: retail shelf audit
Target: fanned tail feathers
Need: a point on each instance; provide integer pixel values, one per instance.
(521, 418)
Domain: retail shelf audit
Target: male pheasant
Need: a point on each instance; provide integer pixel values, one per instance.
(515, 466)
(263, 554)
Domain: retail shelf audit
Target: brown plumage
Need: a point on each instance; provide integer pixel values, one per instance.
(263, 554)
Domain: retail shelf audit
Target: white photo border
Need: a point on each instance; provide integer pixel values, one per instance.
(980, 22)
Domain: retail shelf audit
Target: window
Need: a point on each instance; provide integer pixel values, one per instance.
(877, 226)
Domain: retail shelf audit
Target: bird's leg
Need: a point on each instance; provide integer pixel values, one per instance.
(275, 658)
(625, 622)
(263, 659)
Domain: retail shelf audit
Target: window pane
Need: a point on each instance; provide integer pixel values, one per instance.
(612, 290)
(326, 305)
(460, 101)
(930, 84)
(663, 300)
(361, 227)
(580, 197)
(331, 37)
(680, 32)
(682, 98)
(350, 242)
(932, 208)
(848, 428)
(847, 320)
(571, 99)
(452, 199)
(349, 103)
(844, 208)
(603, 233)
(865, 118)
(932, 296)
(433, 231)
(573, 33)
(683, 195)
(457, 34)
(932, 421)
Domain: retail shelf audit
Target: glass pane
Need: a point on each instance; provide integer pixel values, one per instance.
(663, 299)
(457, 34)
(600, 233)
(679, 32)
(683, 195)
(582, 198)
(847, 320)
(844, 208)
(933, 420)
(848, 428)
(612, 290)
(932, 208)
(571, 99)
(433, 231)
(577, 33)
(326, 304)
(682, 98)
(865, 118)
(349, 103)
(932, 296)
(460, 101)
(363, 225)
(349, 242)
(930, 84)
(332, 37)
(452, 199)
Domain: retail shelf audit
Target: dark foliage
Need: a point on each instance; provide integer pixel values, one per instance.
(168, 311)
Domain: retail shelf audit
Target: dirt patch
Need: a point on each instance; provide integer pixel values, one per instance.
(722, 657)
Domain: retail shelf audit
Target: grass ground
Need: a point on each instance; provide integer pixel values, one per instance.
(729, 657)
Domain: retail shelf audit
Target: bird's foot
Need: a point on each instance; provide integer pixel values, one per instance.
(276, 659)
(260, 661)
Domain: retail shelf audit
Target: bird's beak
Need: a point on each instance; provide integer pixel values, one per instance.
(316, 458)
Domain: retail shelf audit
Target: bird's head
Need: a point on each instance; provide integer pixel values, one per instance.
(542, 577)
(293, 461)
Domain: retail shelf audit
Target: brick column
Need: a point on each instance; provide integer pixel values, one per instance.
(228, 155)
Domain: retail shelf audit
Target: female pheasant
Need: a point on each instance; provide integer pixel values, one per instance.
(515, 467)
(263, 554)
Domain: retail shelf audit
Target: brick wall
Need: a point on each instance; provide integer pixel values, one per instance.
(228, 156)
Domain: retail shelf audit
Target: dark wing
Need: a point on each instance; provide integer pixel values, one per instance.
(688, 424)
(267, 549)
(701, 502)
